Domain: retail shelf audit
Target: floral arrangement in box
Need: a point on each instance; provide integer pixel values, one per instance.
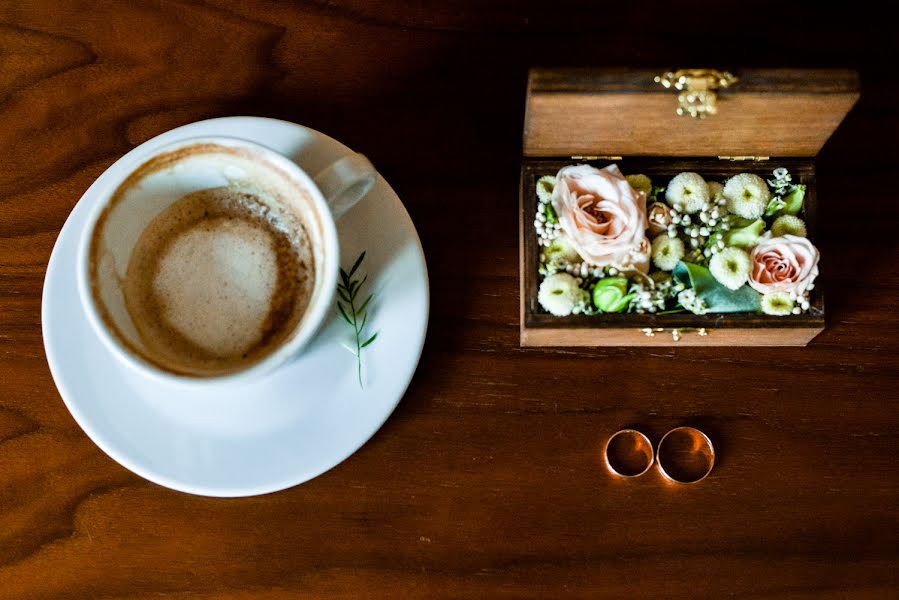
(610, 243)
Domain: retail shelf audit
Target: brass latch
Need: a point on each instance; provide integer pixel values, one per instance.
(697, 98)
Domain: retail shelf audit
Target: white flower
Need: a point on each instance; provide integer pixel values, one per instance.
(559, 294)
(689, 300)
(561, 251)
(545, 187)
(640, 183)
(687, 192)
(788, 225)
(781, 181)
(716, 190)
(747, 195)
(777, 303)
(667, 252)
(731, 267)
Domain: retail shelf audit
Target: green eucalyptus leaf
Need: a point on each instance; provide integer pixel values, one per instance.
(716, 297)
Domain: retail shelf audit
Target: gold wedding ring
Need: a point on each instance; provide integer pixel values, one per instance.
(628, 453)
(685, 455)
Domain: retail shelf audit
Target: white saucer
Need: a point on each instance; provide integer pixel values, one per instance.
(274, 433)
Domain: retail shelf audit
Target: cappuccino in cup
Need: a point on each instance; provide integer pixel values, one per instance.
(214, 258)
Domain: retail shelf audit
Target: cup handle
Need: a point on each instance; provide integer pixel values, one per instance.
(346, 182)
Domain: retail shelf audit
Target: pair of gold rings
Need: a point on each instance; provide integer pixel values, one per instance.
(684, 455)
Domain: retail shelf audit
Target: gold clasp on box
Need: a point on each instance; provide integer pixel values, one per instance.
(697, 87)
(676, 334)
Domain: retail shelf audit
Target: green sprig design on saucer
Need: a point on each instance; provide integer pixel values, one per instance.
(355, 316)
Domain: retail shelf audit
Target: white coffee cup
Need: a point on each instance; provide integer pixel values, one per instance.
(154, 180)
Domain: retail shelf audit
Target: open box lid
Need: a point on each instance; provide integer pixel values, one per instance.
(759, 112)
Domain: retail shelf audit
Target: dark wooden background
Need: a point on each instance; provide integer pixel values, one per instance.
(487, 480)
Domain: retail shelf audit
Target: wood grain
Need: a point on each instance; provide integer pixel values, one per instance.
(661, 336)
(486, 482)
(766, 113)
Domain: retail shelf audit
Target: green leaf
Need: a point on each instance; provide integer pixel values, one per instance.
(345, 278)
(365, 304)
(717, 298)
(370, 340)
(357, 263)
(745, 235)
(343, 314)
(551, 217)
(358, 285)
(364, 319)
(793, 201)
(774, 206)
(343, 295)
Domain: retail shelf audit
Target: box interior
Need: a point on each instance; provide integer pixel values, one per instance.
(660, 170)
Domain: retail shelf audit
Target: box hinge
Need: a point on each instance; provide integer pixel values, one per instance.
(737, 158)
(595, 157)
(677, 333)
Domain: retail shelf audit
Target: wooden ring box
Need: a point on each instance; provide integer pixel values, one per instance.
(767, 119)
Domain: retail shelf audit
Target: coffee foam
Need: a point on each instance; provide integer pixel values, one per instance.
(219, 278)
(223, 310)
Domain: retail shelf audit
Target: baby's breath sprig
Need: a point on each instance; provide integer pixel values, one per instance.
(781, 185)
(702, 232)
(355, 316)
(782, 182)
(546, 223)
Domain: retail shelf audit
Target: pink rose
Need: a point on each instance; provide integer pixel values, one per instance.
(604, 217)
(659, 218)
(783, 264)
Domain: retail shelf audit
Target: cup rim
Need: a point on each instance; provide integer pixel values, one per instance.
(305, 329)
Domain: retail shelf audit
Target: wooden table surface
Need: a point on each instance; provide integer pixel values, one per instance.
(487, 480)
